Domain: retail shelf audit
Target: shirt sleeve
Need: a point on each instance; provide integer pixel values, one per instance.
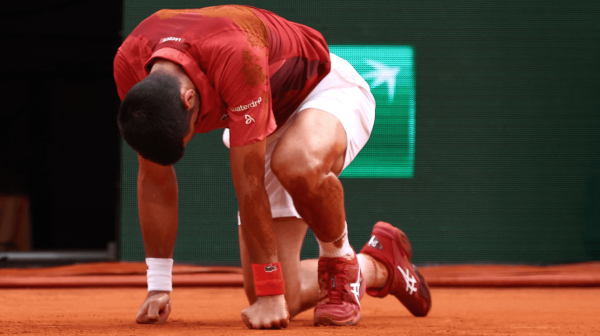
(240, 72)
(125, 77)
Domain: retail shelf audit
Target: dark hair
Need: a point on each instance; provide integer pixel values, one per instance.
(153, 120)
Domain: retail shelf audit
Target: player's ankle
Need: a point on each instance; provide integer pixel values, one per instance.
(375, 273)
(339, 248)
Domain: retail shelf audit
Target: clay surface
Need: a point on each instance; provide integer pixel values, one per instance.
(216, 311)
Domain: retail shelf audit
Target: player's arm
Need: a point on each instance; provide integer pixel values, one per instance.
(248, 171)
(239, 71)
(157, 208)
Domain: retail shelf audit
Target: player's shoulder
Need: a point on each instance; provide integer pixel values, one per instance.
(239, 14)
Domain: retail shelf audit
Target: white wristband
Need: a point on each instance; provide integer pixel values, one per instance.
(159, 274)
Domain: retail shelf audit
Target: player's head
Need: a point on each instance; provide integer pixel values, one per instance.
(155, 120)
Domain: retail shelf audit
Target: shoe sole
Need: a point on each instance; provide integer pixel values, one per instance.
(326, 321)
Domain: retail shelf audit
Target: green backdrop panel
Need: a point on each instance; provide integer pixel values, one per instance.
(390, 73)
(499, 157)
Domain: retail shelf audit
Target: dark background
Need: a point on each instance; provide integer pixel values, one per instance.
(59, 143)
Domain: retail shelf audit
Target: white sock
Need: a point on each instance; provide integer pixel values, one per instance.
(330, 250)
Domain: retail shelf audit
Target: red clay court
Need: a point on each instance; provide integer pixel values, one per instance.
(102, 299)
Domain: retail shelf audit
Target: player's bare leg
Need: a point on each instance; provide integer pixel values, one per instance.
(307, 161)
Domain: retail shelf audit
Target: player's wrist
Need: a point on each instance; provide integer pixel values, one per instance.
(159, 274)
(268, 279)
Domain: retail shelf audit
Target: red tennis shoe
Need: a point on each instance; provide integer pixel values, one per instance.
(390, 246)
(341, 288)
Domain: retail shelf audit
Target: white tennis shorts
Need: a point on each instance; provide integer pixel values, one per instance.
(344, 94)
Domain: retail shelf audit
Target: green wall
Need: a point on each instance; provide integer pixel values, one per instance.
(507, 135)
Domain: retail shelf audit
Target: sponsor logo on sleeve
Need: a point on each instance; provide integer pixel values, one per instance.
(241, 108)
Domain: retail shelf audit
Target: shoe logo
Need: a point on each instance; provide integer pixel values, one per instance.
(409, 279)
(356, 287)
(270, 268)
(224, 116)
(374, 242)
(249, 119)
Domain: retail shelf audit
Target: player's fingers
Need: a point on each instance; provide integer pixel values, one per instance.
(284, 322)
(281, 323)
(153, 310)
(164, 313)
(246, 319)
(141, 316)
(266, 324)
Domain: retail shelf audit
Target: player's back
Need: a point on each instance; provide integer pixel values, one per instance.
(298, 55)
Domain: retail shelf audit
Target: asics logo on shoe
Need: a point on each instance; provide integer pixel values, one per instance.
(409, 279)
(374, 243)
(270, 268)
(249, 119)
(356, 287)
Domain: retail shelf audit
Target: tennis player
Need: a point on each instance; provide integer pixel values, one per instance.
(296, 116)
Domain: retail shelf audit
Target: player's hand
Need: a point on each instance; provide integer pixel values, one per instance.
(268, 312)
(155, 309)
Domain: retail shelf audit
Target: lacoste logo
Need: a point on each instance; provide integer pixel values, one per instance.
(409, 279)
(270, 268)
(167, 39)
(249, 119)
(224, 116)
(241, 108)
(374, 243)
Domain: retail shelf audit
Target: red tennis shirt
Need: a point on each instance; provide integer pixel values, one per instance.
(251, 68)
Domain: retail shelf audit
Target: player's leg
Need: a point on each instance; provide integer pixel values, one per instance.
(318, 198)
(307, 161)
(334, 123)
(302, 289)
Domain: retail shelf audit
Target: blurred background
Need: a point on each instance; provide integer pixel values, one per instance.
(486, 151)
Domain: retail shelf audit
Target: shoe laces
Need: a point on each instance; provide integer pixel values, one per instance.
(336, 278)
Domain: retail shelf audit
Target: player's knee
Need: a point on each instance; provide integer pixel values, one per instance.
(297, 172)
